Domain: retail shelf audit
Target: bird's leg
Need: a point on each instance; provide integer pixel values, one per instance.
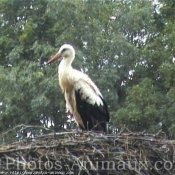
(77, 128)
(107, 128)
(88, 126)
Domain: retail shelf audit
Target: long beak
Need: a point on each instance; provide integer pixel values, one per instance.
(57, 56)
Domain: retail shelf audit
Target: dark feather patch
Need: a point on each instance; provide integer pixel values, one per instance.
(94, 117)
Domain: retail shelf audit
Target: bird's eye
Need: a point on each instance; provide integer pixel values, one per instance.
(64, 50)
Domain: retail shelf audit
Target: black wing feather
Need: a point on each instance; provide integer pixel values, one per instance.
(94, 117)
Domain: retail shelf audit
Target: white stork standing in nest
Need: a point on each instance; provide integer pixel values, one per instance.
(83, 98)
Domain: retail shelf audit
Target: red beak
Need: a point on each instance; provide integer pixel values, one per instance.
(57, 56)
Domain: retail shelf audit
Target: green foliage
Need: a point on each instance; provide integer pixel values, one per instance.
(146, 106)
(149, 102)
(126, 47)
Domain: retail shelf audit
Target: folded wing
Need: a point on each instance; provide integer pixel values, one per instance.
(90, 105)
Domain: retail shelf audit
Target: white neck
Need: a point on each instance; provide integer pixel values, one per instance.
(67, 61)
(65, 64)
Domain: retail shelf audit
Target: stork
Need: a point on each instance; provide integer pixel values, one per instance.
(83, 99)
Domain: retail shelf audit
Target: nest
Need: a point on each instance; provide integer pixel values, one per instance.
(89, 153)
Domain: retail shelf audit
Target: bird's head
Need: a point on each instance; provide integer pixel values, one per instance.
(66, 51)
